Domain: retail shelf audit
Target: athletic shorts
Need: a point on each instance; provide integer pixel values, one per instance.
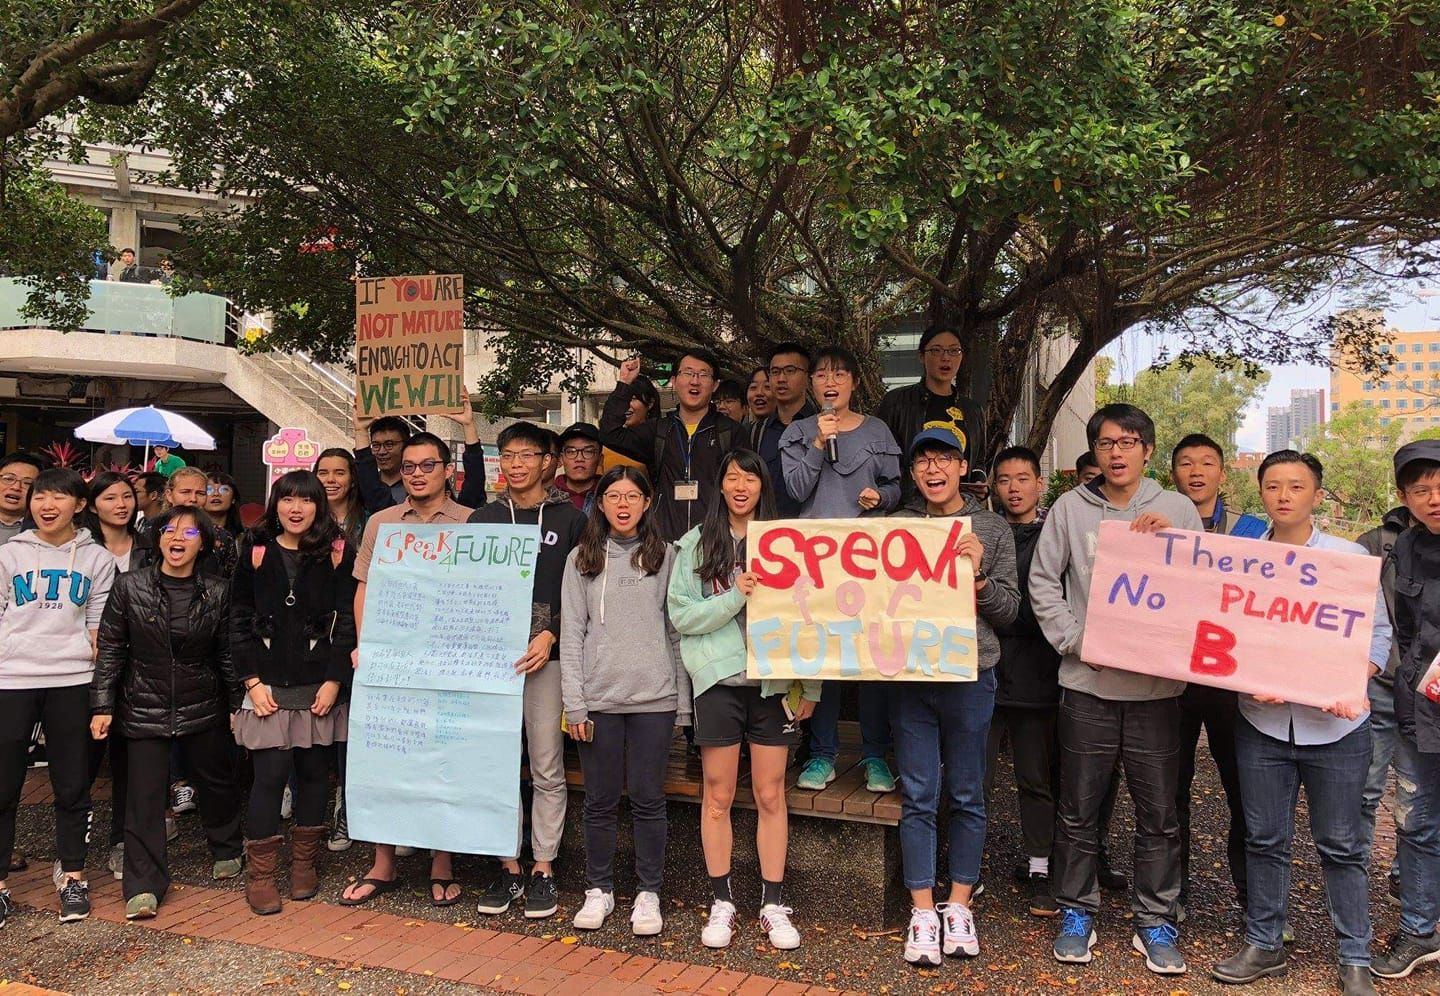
(726, 715)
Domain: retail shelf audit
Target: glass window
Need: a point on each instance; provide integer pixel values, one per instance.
(1384, 421)
(1399, 347)
(1435, 347)
(1369, 385)
(1384, 402)
(1384, 385)
(1401, 403)
(1435, 364)
(1334, 406)
(1384, 347)
(1417, 385)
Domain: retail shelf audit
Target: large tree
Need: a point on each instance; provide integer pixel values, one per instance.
(1356, 451)
(623, 176)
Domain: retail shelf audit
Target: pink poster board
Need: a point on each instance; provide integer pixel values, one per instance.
(1243, 614)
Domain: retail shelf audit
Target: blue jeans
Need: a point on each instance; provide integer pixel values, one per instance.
(941, 729)
(874, 720)
(1271, 773)
(1384, 734)
(1417, 832)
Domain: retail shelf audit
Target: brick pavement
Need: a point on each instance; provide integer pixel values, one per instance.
(468, 955)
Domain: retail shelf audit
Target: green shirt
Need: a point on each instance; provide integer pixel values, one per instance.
(168, 465)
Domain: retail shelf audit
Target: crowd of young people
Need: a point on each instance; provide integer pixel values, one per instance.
(175, 652)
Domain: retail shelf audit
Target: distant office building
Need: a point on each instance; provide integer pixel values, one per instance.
(1277, 428)
(1406, 390)
(1307, 412)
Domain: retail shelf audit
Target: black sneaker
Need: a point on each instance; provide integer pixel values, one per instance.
(506, 889)
(74, 900)
(541, 898)
(1042, 898)
(7, 906)
(1405, 953)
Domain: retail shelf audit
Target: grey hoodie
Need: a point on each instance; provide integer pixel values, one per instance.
(999, 601)
(1060, 584)
(618, 651)
(51, 598)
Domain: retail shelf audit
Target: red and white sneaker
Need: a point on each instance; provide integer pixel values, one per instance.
(922, 939)
(721, 929)
(960, 938)
(776, 921)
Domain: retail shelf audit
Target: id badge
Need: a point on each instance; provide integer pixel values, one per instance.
(687, 490)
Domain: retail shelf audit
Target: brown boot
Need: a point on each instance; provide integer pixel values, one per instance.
(261, 857)
(305, 843)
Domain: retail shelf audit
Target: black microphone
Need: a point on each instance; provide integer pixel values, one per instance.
(832, 443)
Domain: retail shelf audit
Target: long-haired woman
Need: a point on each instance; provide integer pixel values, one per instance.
(292, 630)
(624, 689)
(222, 503)
(336, 470)
(708, 590)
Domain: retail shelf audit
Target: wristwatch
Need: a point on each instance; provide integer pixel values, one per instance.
(980, 575)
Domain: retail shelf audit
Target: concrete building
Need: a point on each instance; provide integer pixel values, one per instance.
(1307, 413)
(1405, 390)
(1277, 428)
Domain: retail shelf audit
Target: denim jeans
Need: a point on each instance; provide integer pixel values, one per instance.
(941, 729)
(1384, 735)
(1271, 773)
(1417, 832)
(1145, 738)
(874, 720)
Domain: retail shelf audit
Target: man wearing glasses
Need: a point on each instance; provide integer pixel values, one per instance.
(935, 402)
(378, 445)
(683, 448)
(17, 472)
(789, 374)
(580, 465)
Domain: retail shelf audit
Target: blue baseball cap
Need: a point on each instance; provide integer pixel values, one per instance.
(939, 435)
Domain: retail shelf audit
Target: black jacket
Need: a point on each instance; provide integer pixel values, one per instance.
(1417, 634)
(375, 494)
(1379, 542)
(562, 523)
(903, 410)
(1029, 672)
(662, 445)
(764, 438)
(151, 690)
(303, 644)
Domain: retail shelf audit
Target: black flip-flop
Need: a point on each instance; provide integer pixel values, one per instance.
(444, 884)
(378, 887)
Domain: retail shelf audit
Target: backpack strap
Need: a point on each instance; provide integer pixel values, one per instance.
(257, 556)
(662, 434)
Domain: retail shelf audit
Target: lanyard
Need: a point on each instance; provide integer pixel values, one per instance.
(686, 440)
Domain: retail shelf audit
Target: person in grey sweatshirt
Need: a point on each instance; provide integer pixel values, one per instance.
(1107, 714)
(941, 727)
(624, 689)
(862, 479)
(54, 580)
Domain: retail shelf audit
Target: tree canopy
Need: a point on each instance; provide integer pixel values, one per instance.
(1356, 451)
(629, 176)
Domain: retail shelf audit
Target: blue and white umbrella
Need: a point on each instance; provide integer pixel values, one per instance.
(146, 427)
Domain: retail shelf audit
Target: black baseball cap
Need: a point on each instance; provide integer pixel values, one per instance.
(1421, 449)
(582, 430)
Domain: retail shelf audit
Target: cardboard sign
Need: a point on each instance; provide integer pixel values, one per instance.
(287, 450)
(1244, 614)
(409, 344)
(862, 600)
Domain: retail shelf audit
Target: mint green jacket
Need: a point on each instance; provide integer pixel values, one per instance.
(711, 644)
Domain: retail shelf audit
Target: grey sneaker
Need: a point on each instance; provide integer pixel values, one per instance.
(141, 907)
(116, 864)
(226, 868)
(1157, 944)
(1405, 953)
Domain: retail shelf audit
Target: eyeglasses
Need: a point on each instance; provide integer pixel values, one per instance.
(189, 532)
(524, 456)
(831, 374)
(424, 466)
(218, 489)
(938, 461)
(694, 375)
(1124, 444)
(1418, 492)
(789, 370)
(10, 480)
(382, 446)
(630, 498)
(580, 451)
(951, 352)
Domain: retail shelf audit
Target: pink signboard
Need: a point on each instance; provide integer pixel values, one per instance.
(1244, 614)
(287, 450)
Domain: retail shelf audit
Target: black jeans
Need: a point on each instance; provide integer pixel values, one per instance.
(1036, 758)
(1145, 737)
(631, 750)
(1218, 710)
(64, 715)
(210, 760)
(114, 746)
(272, 768)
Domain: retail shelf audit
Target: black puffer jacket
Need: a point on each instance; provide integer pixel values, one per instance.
(151, 690)
(306, 643)
(1029, 673)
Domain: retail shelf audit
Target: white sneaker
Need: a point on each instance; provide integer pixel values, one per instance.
(959, 930)
(182, 798)
(922, 939)
(645, 918)
(287, 804)
(598, 905)
(116, 864)
(721, 929)
(776, 921)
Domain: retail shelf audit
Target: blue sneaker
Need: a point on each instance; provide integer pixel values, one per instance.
(1157, 944)
(1076, 937)
(816, 774)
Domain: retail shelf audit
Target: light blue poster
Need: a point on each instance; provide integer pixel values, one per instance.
(434, 769)
(434, 752)
(448, 607)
